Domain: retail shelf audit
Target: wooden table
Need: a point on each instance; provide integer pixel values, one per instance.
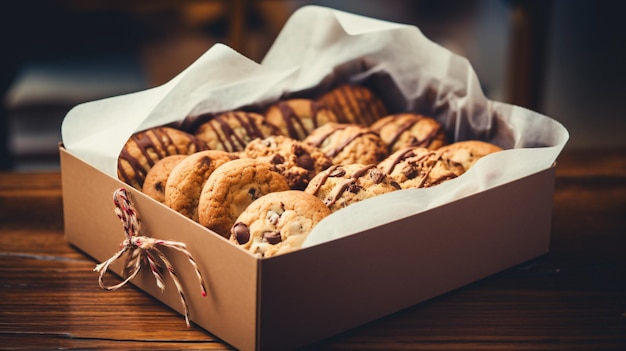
(573, 298)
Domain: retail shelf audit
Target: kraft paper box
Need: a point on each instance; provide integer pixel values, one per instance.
(423, 242)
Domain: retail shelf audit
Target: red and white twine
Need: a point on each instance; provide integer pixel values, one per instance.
(144, 250)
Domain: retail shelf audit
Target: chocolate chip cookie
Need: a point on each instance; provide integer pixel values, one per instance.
(186, 180)
(297, 161)
(156, 179)
(231, 188)
(278, 222)
(340, 186)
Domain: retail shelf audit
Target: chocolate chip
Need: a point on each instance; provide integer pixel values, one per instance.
(337, 172)
(252, 193)
(205, 161)
(278, 159)
(272, 237)
(241, 232)
(410, 172)
(377, 175)
(354, 188)
(305, 161)
(267, 142)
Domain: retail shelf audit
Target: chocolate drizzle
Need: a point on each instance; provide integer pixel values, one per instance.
(322, 180)
(320, 139)
(402, 128)
(334, 152)
(337, 150)
(417, 166)
(346, 185)
(291, 119)
(415, 119)
(349, 103)
(427, 173)
(403, 155)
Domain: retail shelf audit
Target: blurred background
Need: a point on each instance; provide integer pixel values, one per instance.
(562, 58)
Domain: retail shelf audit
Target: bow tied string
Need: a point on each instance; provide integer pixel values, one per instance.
(143, 250)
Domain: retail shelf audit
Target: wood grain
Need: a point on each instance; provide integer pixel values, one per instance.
(573, 298)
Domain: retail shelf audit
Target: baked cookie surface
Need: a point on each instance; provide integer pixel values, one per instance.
(416, 167)
(348, 143)
(296, 118)
(231, 131)
(409, 129)
(156, 179)
(278, 222)
(297, 161)
(354, 104)
(231, 188)
(343, 185)
(462, 155)
(145, 148)
(186, 180)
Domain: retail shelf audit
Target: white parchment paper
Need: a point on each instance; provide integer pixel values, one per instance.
(316, 47)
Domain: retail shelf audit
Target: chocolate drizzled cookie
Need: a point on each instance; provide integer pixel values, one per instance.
(232, 131)
(145, 148)
(354, 104)
(462, 155)
(348, 143)
(296, 118)
(340, 186)
(416, 167)
(409, 129)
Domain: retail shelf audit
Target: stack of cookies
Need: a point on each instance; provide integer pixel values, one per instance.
(263, 180)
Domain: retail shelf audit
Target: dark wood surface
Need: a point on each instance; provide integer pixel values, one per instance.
(573, 298)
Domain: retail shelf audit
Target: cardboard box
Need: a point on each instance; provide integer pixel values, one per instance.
(298, 298)
(488, 221)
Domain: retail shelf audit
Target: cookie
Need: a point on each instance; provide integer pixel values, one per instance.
(296, 118)
(297, 161)
(462, 155)
(277, 223)
(143, 149)
(409, 129)
(416, 167)
(156, 179)
(340, 186)
(231, 131)
(186, 180)
(354, 104)
(348, 143)
(231, 188)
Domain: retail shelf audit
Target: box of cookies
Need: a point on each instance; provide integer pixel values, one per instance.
(354, 172)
